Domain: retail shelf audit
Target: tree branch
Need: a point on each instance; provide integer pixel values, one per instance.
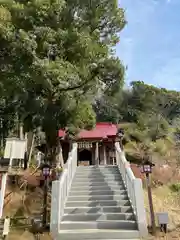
(81, 84)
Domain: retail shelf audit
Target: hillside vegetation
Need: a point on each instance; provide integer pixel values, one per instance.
(59, 70)
(150, 117)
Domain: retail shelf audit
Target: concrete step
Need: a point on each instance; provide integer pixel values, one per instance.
(119, 224)
(98, 166)
(97, 192)
(98, 217)
(98, 178)
(101, 180)
(102, 203)
(1, 225)
(115, 209)
(94, 172)
(97, 197)
(95, 183)
(96, 234)
(98, 169)
(98, 188)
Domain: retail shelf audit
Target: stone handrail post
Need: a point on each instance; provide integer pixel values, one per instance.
(135, 190)
(60, 191)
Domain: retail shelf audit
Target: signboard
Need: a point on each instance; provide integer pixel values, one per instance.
(15, 148)
(6, 226)
(83, 163)
(163, 218)
(84, 145)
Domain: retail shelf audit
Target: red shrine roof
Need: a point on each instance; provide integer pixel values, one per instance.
(101, 130)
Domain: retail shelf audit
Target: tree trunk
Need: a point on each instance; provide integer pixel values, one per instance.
(54, 150)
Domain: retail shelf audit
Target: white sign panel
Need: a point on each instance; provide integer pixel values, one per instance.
(85, 145)
(15, 148)
(6, 226)
(163, 218)
(7, 152)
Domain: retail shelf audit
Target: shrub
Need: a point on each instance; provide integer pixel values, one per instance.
(175, 187)
(161, 147)
(1, 152)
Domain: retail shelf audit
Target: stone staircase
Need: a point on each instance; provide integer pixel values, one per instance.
(98, 207)
(1, 227)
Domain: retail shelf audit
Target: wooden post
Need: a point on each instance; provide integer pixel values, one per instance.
(105, 157)
(151, 208)
(97, 154)
(45, 202)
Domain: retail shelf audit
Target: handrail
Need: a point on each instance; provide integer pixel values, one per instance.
(67, 177)
(60, 190)
(134, 190)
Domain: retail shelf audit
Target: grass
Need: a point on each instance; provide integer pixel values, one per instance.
(16, 208)
(166, 201)
(25, 235)
(166, 198)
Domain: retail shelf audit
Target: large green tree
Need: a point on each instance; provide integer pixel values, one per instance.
(56, 55)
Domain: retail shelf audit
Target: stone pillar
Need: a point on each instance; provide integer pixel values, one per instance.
(105, 157)
(97, 154)
(140, 208)
(56, 211)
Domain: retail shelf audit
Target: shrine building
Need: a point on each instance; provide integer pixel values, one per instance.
(96, 146)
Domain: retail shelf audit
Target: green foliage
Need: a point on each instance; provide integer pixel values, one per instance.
(154, 126)
(1, 153)
(58, 70)
(161, 147)
(150, 99)
(175, 187)
(56, 56)
(152, 111)
(84, 116)
(107, 110)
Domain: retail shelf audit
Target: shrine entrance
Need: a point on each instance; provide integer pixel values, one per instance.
(84, 153)
(85, 157)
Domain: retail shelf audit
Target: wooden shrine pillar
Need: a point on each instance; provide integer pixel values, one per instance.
(104, 154)
(97, 154)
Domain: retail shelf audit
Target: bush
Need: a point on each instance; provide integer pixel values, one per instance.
(161, 147)
(175, 187)
(133, 158)
(1, 152)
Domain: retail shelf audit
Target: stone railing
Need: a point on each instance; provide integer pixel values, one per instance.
(60, 191)
(134, 189)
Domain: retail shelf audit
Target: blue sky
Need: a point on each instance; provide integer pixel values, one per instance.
(150, 43)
